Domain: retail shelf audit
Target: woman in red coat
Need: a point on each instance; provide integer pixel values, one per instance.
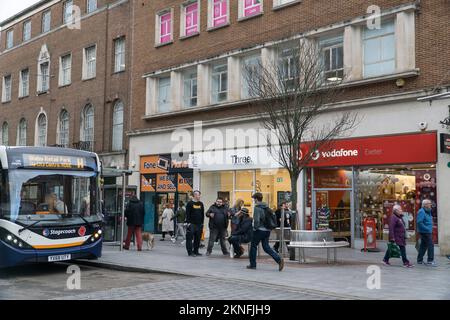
(397, 234)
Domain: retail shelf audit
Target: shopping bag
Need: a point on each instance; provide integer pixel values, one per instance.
(394, 250)
(203, 235)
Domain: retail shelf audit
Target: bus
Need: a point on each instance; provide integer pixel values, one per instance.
(49, 205)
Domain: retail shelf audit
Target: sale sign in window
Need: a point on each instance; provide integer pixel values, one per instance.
(252, 7)
(191, 19)
(220, 13)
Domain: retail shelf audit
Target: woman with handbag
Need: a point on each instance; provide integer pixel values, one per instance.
(397, 235)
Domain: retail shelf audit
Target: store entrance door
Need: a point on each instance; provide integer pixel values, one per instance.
(161, 200)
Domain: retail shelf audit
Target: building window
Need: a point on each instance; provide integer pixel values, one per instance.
(63, 129)
(117, 132)
(218, 13)
(46, 21)
(164, 27)
(164, 103)
(249, 8)
(251, 71)
(41, 140)
(24, 83)
(332, 53)
(91, 6)
(379, 50)
(190, 89)
(119, 54)
(219, 83)
(9, 39)
(44, 77)
(87, 126)
(90, 63)
(26, 30)
(7, 83)
(67, 11)
(190, 19)
(278, 3)
(22, 133)
(65, 70)
(288, 68)
(5, 134)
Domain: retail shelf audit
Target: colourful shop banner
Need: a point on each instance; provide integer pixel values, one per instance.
(185, 183)
(165, 163)
(148, 184)
(398, 149)
(166, 183)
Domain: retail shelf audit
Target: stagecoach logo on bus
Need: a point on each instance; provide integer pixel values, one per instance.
(64, 233)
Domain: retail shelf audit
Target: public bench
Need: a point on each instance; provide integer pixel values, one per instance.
(320, 239)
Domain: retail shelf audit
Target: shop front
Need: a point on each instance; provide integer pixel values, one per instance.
(352, 181)
(164, 180)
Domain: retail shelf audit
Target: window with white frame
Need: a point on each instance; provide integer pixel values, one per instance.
(288, 66)
(67, 11)
(117, 128)
(249, 8)
(87, 125)
(379, 50)
(46, 21)
(251, 73)
(190, 19)
(91, 6)
(63, 129)
(278, 3)
(5, 134)
(9, 39)
(164, 101)
(219, 80)
(41, 140)
(7, 88)
(90, 62)
(44, 77)
(164, 26)
(24, 83)
(190, 97)
(22, 133)
(119, 54)
(65, 70)
(27, 30)
(219, 13)
(332, 55)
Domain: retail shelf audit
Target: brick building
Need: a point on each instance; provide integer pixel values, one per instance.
(188, 66)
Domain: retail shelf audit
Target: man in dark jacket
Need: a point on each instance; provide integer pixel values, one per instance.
(242, 234)
(134, 213)
(218, 225)
(195, 217)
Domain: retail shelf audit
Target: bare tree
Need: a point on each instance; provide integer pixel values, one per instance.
(291, 92)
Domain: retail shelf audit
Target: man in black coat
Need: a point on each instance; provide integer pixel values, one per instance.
(218, 225)
(242, 234)
(135, 214)
(195, 217)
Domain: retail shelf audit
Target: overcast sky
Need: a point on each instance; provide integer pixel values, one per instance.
(9, 8)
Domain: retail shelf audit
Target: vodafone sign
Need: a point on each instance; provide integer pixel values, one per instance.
(399, 149)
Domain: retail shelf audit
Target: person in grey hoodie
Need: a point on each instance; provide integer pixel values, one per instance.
(261, 234)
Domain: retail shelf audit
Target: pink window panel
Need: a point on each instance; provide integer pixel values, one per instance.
(252, 7)
(191, 23)
(220, 13)
(165, 30)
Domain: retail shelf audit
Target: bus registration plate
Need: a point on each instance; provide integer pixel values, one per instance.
(63, 257)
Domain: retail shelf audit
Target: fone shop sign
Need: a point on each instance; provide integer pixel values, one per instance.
(445, 143)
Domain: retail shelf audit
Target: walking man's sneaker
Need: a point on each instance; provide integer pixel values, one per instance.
(208, 254)
(281, 265)
(250, 267)
(408, 265)
(419, 262)
(432, 264)
(386, 263)
(198, 254)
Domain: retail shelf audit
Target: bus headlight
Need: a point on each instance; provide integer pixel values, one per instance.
(9, 238)
(13, 240)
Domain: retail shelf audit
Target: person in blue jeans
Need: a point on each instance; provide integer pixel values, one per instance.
(261, 234)
(425, 229)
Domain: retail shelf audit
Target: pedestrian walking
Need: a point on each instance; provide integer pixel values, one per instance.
(180, 218)
(397, 235)
(287, 222)
(234, 213)
(134, 213)
(195, 217)
(218, 225)
(425, 229)
(167, 222)
(242, 234)
(263, 224)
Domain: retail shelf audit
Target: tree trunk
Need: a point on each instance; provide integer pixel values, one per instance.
(294, 179)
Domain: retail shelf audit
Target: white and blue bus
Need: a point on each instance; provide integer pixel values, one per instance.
(49, 205)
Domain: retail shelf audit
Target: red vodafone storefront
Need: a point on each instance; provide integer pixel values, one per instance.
(354, 180)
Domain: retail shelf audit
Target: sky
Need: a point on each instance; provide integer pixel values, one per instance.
(9, 8)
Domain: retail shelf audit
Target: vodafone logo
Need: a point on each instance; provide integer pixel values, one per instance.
(335, 153)
(82, 231)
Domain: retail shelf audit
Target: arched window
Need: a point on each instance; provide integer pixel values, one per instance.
(5, 134)
(117, 132)
(63, 129)
(41, 140)
(87, 126)
(22, 133)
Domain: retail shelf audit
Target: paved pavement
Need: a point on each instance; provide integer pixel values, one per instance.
(347, 279)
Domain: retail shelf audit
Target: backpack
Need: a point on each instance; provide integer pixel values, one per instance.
(270, 220)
